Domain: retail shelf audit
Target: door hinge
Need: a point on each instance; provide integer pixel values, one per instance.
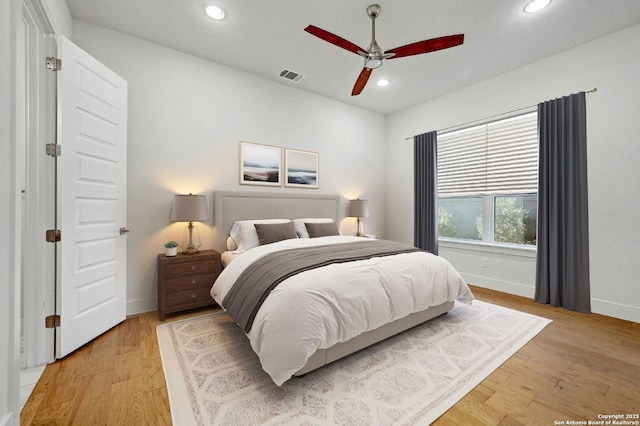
(53, 235)
(54, 149)
(52, 321)
(54, 64)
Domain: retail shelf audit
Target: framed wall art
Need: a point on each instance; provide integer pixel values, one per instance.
(260, 164)
(301, 168)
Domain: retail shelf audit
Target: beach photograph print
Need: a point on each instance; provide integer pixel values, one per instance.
(260, 164)
(301, 168)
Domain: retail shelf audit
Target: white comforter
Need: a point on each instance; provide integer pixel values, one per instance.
(321, 307)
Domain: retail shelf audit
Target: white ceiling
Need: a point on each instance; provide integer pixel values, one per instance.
(264, 37)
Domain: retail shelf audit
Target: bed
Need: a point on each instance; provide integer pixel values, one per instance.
(324, 313)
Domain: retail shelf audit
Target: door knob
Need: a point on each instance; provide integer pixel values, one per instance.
(123, 231)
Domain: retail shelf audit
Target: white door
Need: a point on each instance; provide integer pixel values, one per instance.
(92, 194)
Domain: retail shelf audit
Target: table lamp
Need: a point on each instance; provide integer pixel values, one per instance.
(358, 208)
(190, 208)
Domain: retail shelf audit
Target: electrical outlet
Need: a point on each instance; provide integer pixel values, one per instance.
(485, 262)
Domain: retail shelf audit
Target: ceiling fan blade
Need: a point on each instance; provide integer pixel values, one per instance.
(427, 46)
(333, 39)
(361, 81)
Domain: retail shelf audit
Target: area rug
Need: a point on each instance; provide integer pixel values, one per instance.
(214, 378)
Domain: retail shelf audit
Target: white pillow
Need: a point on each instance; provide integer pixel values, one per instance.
(301, 230)
(244, 234)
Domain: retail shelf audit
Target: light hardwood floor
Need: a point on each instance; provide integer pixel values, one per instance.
(578, 367)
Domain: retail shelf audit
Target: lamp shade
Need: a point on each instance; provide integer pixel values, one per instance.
(189, 208)
(358, 208)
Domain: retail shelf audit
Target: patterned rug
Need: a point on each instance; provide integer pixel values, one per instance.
(214, 378)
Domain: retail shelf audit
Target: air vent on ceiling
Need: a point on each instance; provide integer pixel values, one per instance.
(291, 75)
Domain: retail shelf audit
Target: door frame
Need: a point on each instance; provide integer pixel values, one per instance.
(11, 222)
(37, 281)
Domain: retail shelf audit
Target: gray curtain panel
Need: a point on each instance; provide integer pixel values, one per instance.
(562, 268)
(425, 218)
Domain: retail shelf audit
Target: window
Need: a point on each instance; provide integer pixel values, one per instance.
(488, 181)
(457, 217)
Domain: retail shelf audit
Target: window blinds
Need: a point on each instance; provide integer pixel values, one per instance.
(500, 157)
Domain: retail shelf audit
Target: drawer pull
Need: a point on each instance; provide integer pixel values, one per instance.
(193, 296)
(193, 268)
(193, 281)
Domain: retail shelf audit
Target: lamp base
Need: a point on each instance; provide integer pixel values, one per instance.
(190, 250)
(359, 228)
(190, 242)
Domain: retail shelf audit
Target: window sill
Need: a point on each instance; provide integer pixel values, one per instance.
(480, 246)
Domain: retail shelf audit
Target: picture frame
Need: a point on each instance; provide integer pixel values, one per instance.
(301, 168)
(260, 164)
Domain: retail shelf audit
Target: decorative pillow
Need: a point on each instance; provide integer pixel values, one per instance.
(322, 229)
(244, 234)
(302, 230)
(273, 232)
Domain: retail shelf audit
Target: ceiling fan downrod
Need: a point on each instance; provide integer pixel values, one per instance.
(374, 55)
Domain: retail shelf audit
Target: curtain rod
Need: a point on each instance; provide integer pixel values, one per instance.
(595, 89)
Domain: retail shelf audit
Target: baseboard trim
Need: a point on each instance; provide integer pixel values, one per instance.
(598, 306)
(615, 310)
(498, 285)
(139, 306)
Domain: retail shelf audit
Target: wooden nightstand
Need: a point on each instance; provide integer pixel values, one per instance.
(184, 281)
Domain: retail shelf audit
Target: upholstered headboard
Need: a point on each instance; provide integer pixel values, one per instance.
(230, 206)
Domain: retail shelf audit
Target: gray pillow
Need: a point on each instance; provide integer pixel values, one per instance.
(274, 232)
(322, 229)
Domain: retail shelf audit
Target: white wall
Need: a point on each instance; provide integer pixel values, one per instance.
(611, 64)
(186, 118)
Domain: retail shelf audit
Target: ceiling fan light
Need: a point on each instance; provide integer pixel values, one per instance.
(536, 5)
(383, 82)
(214, 12)
(372, 63)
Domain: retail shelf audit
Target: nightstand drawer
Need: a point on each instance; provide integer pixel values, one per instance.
(190, 283)
(191, 268)
(189, 297)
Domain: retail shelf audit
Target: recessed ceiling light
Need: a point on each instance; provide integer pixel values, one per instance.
(382, 82)
(215, 12)
(536, 5)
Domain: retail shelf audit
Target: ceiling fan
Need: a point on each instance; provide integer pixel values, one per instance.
(374, 55)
